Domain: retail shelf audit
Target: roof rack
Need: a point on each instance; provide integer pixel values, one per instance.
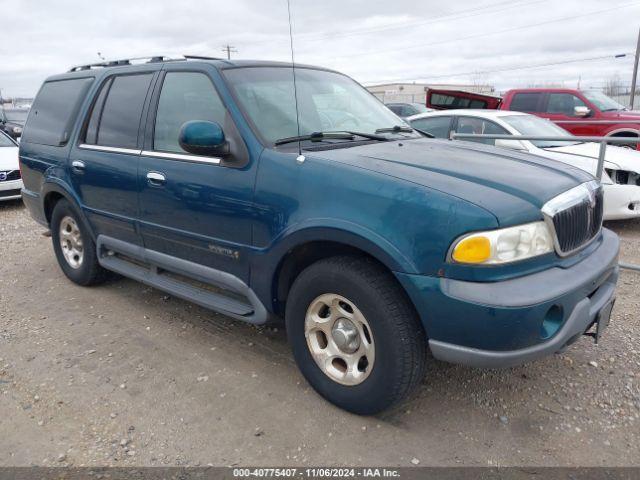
(138, 60)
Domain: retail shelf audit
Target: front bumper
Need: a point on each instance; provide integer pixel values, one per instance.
(10, 190)
(621, 202)
(506, 323)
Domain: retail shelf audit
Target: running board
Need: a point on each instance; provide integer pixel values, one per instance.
(164, 271)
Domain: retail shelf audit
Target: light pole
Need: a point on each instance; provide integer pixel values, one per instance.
(635, 73)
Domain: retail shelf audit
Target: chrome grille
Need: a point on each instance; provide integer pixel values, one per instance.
(9, 175)
(575, 217)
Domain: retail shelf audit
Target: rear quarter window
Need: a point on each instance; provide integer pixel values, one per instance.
(443, 101)
(54, 111)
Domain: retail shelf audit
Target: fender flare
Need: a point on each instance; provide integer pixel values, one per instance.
(267, 262)
(618, 131)
(56, 185)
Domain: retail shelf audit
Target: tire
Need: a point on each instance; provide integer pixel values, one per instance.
(83, 268)
(355, 287)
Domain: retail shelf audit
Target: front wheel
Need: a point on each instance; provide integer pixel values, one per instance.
(355, 336)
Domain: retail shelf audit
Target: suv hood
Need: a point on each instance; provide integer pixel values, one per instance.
(511, 185)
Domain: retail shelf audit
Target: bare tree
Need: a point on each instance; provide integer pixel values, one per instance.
(613, 87)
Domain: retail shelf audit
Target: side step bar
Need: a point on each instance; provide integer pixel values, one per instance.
(152, 266)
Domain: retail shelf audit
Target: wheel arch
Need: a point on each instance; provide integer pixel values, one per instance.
(52, 193)
(304, 248)
(624, 132)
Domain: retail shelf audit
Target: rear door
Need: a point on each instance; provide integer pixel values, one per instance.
(193, 207)
(104, 163)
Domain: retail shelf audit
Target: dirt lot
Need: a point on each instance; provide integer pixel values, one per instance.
(124, 375)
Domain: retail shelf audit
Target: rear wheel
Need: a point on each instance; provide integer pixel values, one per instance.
(74, 247)
(355, 336)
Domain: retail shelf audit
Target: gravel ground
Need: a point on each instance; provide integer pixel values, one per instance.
(122, 374)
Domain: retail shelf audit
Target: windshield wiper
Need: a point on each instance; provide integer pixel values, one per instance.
(395, 129)
(316, 137)
(426, 134)
(371, 136)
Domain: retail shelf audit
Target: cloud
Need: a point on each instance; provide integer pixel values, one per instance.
(370, 40)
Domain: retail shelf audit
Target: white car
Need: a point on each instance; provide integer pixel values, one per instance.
(621, 179)
(10, 180)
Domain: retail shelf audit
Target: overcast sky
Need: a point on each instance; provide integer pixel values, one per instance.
(464, 41)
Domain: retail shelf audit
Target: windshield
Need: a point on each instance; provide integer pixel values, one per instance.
(539, 127)
(5, 141)
(17, 116)
(602, 102)
(327, 102)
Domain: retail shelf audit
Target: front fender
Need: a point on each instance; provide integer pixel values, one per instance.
(267, 261)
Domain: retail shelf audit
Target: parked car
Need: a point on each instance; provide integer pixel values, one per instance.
(622, 166)
(12, 121)
(372, 243)
(10, 181)
(404, 110)
(581, 112)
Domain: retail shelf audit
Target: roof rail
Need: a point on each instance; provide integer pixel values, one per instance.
(136, 60)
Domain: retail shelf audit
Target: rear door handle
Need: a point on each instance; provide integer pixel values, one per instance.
(156, 179)
(78, 166)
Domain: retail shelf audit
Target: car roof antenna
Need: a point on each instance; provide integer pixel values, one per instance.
(300, 158)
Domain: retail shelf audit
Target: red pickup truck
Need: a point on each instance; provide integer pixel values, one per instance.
(581, 112)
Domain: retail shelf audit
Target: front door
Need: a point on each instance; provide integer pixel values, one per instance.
(560, 108)
(104, 165)
(194, 207)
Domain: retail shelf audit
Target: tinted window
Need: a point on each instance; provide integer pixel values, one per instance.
(436, 126)
(479, 126)
(54, 111)
(440, 100)
(91, 136)
(185, 96)
(408, 110)
(397, 109)
(120, 119)
(563, 103)
(525, 102)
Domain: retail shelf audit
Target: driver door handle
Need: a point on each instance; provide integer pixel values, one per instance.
(78, 166)
(156, 179)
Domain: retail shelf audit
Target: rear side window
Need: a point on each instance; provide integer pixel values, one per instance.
(54, 111)
(115, 119)
(479, 126)
(525, 102)
(185, 96)
(397, 109)
(441, 100)
(436, 126)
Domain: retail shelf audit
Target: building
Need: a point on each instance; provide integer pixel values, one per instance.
(417, 92)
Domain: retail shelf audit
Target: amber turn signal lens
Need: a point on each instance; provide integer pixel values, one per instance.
(472, 250)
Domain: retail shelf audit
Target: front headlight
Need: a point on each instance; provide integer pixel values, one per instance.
(504, 245)
(17, 130)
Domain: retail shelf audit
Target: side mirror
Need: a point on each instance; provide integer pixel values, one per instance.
(203, 138)
(512, 144)
(581, 111)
